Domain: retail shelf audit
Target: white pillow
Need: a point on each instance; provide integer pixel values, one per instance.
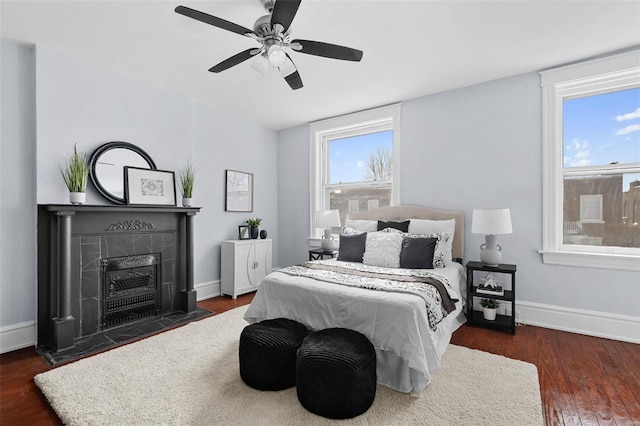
(363, 225)
(383, 249)
(425, 226)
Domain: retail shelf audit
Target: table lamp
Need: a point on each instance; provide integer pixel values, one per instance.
(492, 223)
(327, 219)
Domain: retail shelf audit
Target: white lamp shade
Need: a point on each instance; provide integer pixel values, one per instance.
(491, 222)
(327, 219)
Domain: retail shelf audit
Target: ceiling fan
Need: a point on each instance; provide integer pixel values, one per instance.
(272, 32)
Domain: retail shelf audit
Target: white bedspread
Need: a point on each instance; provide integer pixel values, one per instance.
(408, 351)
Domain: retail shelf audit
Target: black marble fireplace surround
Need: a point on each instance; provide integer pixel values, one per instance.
(78, 247)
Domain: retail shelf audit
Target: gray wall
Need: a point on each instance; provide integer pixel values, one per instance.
(473, 148)
(81, 103)
(17, 185)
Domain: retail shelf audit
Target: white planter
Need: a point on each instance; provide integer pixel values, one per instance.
(489, 314)
(186, 202)
(77, 197)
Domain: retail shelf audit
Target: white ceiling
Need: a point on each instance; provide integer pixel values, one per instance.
(411, 48)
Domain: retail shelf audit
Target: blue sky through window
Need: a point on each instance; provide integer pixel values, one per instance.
(348, 157)
(603, 129)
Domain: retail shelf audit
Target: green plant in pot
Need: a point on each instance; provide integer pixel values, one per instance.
(489, 308)
(75, 173)
(187, 182)
(253, 225)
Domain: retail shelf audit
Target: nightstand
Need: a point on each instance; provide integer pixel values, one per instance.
(475, 317)
(320, 253)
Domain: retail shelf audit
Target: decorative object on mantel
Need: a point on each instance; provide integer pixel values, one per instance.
(263, 234)
(107, 168)
(149, 187)
(239, 191)
(187, 182)
(492, 223)
(253, 225)
(489, 308)
(327, 219)
(75, 173)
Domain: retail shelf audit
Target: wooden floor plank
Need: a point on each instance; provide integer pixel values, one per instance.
(583, 380)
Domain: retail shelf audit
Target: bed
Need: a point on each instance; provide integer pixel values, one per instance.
(409, 331)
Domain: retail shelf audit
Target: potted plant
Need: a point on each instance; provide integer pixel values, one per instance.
(187, 182)
(489, 308)
(75, 173)
(253, 225)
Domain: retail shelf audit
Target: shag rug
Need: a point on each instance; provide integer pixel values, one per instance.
(190, 376)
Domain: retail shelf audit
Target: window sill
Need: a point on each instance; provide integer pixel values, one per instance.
(591, 260)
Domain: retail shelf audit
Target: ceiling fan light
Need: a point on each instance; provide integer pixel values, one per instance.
(260, 64)
(277, 56)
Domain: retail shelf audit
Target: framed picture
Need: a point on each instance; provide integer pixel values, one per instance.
(239, 191)
(149, 187)
(244, 232)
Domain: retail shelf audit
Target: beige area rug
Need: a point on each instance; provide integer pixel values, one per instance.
(189, 376)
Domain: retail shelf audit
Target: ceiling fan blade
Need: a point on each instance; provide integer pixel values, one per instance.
(291, 74)
(234, 60)
(283, 12)
(329, 50)
(212, 20)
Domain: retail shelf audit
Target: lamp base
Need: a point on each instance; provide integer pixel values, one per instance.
(327, 244)
(491, 257)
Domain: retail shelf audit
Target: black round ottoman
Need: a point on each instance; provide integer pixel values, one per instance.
(336, 373)
(268, 353)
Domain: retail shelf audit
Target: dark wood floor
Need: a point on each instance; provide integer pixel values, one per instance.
(584, 380)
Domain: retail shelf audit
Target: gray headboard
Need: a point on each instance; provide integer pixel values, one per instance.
(397, 213)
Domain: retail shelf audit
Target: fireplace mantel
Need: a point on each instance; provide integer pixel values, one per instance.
(73, 238)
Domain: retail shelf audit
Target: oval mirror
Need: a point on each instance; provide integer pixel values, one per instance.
(107, 167)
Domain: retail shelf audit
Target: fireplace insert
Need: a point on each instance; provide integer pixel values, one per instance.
(131, 288)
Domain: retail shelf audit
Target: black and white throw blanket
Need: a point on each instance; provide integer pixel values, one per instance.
(431, 287)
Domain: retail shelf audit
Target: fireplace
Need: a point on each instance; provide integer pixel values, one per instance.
(103, 267)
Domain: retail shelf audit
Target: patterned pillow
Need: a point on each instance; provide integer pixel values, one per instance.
(424, 226)
(346, 229)
(383, 249)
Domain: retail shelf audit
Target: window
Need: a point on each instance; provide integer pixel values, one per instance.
(591, 171)
(591, 208)
(355, 163)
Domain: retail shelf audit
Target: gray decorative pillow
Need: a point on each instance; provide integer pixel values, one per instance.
(383, 249)
(440, 252)
(417, 253)
(401, 226)
(352, 247)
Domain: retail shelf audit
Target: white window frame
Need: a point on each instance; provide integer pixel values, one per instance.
(594, 77)
(378, 119)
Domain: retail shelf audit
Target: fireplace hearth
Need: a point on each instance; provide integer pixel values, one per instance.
(103, 268)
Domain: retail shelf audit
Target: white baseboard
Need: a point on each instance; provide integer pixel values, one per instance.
(17, 336)
(592, 323)
(625, 328)
(207, 290)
